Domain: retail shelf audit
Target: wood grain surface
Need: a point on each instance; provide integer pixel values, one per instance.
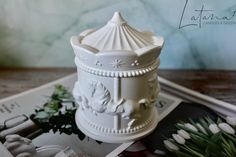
(13, 81)
(218, 84)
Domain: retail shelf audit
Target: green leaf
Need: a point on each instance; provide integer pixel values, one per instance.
(51, 118)
(81, 136)
(41, 115)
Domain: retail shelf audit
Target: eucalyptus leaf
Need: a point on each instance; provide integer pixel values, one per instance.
(41, 115)
(58, 113)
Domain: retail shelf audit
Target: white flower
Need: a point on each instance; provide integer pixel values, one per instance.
(201, 128)
(231, 120)
(191, 127)
(159, 152)
(214, 128)
(183, 134)
(226, 128)
(178, 139)
(170, 146)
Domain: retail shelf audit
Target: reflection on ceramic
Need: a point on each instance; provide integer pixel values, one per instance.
(117, 83)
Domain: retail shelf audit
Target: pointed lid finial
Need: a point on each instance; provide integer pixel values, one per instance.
(117, 35)
(117, 19)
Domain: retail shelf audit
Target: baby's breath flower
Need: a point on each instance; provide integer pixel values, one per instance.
(178, 139)
(226, 128)
(214, 128)
(183, 134)
(170, 146)
(201, 128)
(191, 127)
(231, 120)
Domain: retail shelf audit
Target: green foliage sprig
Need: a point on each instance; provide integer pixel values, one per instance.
(58, 113)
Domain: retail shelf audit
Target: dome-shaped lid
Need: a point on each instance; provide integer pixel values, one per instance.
(118, 35)
(117, 49)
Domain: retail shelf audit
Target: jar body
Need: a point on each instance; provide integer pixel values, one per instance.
(119, 108)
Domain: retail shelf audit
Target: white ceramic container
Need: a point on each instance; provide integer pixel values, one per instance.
(117, 83)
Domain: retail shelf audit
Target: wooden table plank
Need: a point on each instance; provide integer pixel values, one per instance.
(13, 81)
(218, 84)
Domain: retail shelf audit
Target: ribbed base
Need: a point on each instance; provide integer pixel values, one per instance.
(115, 137)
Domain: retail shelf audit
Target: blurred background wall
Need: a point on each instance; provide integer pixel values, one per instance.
(199, 34)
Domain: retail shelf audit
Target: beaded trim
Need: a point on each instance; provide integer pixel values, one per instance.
(128, 73)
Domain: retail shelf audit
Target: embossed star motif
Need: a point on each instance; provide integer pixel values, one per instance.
(117, 63)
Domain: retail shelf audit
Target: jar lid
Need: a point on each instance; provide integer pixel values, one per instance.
(117, 47)
(118, 35)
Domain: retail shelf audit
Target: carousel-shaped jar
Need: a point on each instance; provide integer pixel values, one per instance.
(117, 84)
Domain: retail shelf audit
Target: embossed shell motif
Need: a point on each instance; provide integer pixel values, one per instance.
(100, 97)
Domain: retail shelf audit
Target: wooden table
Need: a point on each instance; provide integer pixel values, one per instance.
(218, 84)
